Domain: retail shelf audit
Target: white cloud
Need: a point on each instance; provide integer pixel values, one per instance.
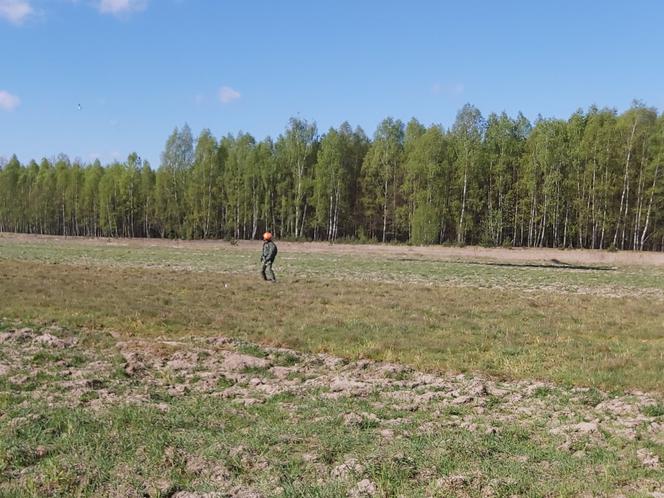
(451, 89)
(15, 11)
(119, 7)
(228, 94)
(8, 102)
(458, 88)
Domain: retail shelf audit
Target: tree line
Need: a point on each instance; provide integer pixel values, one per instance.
(590, 181)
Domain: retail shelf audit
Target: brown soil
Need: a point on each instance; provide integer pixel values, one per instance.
(578, 419)
(569, 256)
(219, 366)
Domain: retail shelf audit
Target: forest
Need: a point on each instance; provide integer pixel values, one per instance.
(590, 181)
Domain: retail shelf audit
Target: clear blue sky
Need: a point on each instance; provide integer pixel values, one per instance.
(140, 68)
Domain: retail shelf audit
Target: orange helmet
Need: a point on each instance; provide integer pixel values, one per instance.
(267, 236)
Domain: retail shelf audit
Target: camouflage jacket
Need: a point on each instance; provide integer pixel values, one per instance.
(269, 252)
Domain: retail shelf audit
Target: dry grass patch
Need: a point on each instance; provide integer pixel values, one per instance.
(612, 343)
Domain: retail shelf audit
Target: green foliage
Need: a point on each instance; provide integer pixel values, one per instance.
(382, 173)
(251, 350)
(654, 410)
(425, 225)
(592, 181)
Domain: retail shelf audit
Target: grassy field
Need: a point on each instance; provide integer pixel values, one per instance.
(597, 326)
(128, 394)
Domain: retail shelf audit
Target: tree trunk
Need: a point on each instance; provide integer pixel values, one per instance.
(625, 185)
(652, 193)
(460, 234)
(385, 213)
(565, 229)
(336, 216)
(593, 212)
(639, 205)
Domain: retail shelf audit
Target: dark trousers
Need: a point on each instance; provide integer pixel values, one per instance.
(266, 271)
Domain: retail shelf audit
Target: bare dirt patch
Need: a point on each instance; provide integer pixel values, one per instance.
(96, 372)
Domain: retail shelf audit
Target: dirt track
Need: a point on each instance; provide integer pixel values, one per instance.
(576, 256)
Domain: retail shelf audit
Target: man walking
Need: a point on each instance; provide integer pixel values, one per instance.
(267, 257)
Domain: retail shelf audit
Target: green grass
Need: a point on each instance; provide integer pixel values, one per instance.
(592, 327)
(252, 350)
(132, 452)
(655, 410)
(147, 440)
(257, 371)
(303, 264)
